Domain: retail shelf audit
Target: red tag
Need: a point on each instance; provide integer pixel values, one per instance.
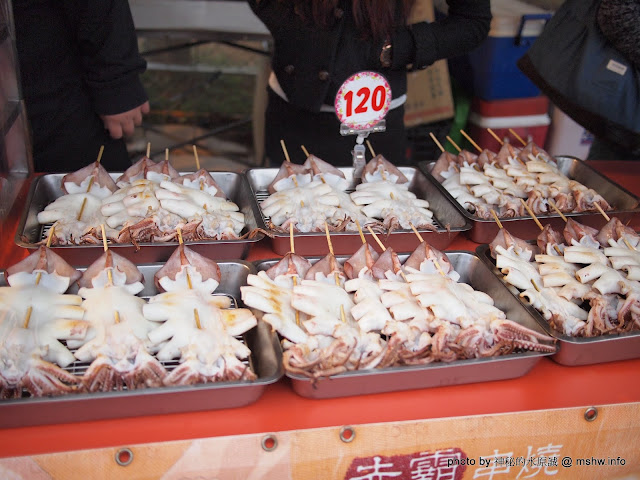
(363, 100)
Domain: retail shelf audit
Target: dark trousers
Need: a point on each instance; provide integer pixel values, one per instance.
(75, 143)
(320, 135)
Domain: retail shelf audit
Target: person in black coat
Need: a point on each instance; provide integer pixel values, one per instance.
(318, 44)
(79, 69)
(619, 21)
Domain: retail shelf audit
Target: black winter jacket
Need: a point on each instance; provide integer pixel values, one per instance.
(78, 59)
(311, 63)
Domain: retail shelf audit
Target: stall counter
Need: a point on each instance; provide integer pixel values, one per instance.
(547, 387)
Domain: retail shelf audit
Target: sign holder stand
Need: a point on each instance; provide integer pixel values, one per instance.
(358, 152)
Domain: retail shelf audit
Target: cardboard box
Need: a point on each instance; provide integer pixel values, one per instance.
(429, 97)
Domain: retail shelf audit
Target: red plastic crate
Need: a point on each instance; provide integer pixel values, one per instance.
(528, 127)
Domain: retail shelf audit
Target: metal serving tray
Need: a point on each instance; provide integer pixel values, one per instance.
(447, 217)
(47, 188)
(438, 374)
(573, 350)
(265, 360)
(625, 204)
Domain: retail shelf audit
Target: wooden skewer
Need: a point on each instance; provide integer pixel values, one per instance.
(106, 247)
(295, 284)
(336, 277)
(180, 242)
(326, 231)
(528, 209)
(84, 204)
(27, 316)
(195, 155)
(91, 181)
(602, 212)
(50, 236)
(373, 154)
(416, 232)
(535, 219)
(555, 207)
(518, 137)
(455, 167)
(306, 152)
(384, 249)
(104, 238)
(455, 145)
(116, 314)
(196, 315)
(98, 160)
(495, 216)
(286, 156)
(534, 285)
(629, 246)
(475, 166)
(433, 137)
(436, 263)
(495, 135)
(294, 279)
(39, 274)
(148, 149)
(465, 135)
(284, 149)
(360, 231)
(375, 237)
(100, 152)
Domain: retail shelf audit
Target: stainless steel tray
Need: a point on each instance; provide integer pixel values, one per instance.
(265, 359)
(47, 188)
(476, 274)
(449, 220)
(625, 204)
(573, 350)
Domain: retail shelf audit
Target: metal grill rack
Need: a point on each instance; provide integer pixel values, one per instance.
(79, 368)
(264, 194)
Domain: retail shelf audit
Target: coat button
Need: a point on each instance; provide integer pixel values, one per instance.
(289, 69)
(338, 13)
(323, 75)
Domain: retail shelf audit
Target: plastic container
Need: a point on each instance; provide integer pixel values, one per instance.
(566, 137)
(511, 107)
(490, 71)
(528, 117)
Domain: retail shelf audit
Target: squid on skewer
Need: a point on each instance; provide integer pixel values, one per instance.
(22, 364)
(117, 344)
(499, 179)
(196, 327)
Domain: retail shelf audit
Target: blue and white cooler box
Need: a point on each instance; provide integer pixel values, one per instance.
(490, 71)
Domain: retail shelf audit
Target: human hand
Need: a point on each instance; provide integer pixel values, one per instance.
(124, 123)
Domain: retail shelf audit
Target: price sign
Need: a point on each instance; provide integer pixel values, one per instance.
(363, 100)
